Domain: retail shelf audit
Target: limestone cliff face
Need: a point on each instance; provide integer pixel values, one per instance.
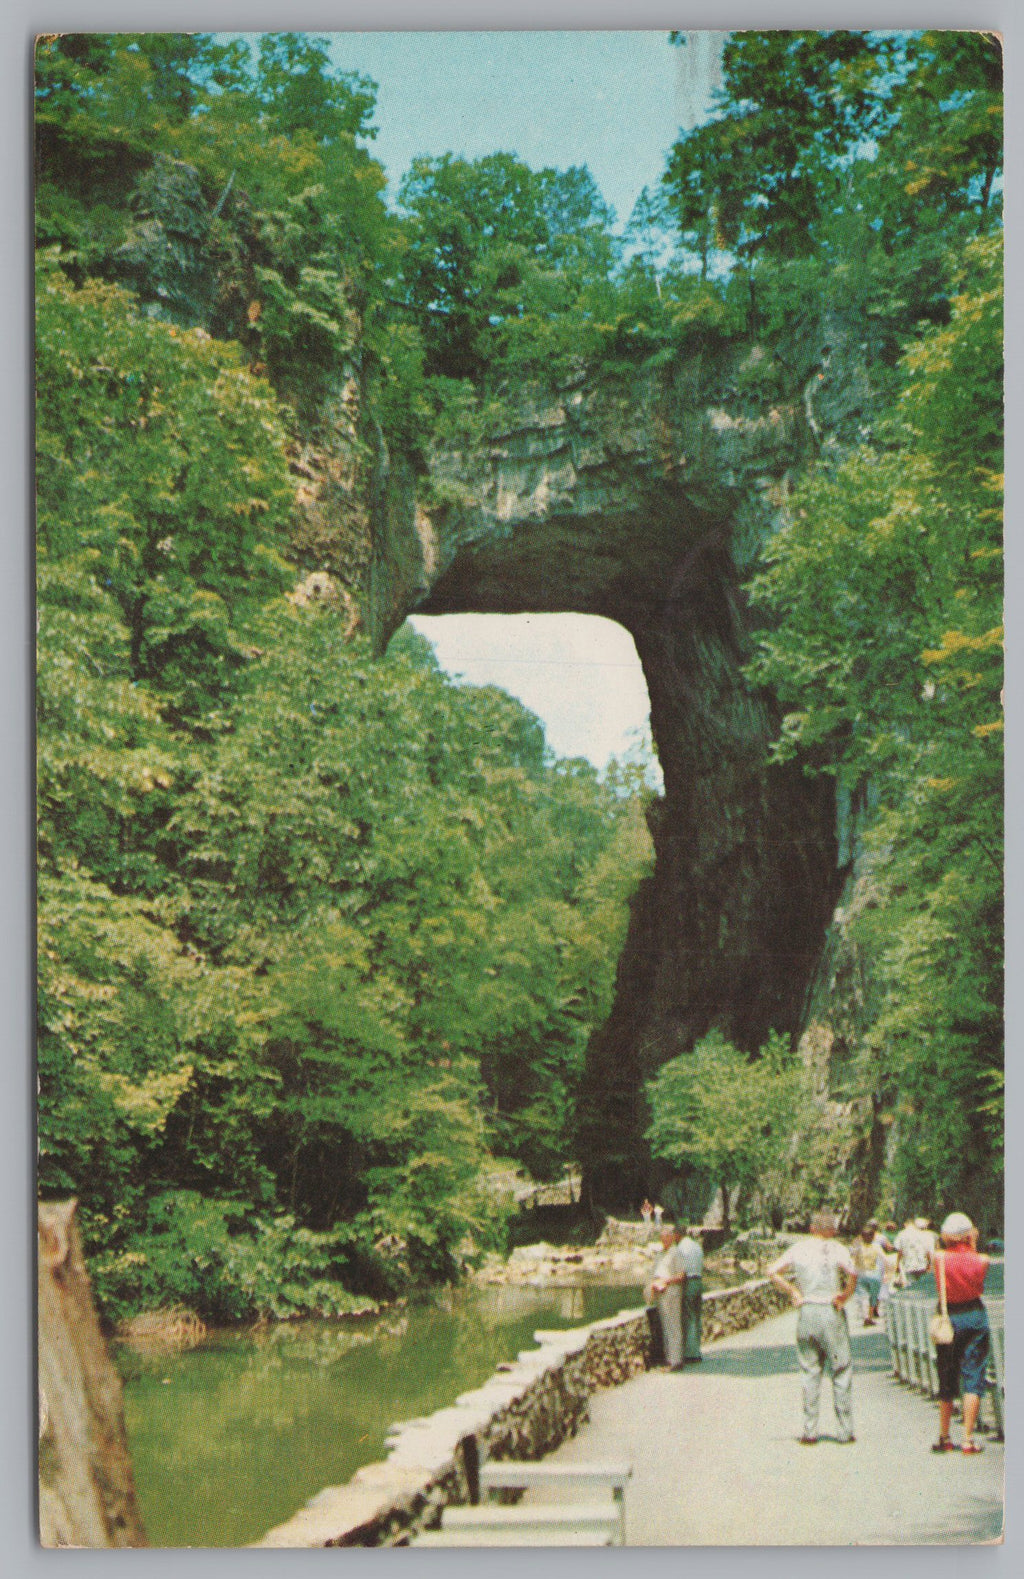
(646, 501)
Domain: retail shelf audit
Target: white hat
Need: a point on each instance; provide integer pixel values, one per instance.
(956, 1226)
(921, 1222)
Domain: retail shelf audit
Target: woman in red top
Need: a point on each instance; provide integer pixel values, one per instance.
(964, 1361)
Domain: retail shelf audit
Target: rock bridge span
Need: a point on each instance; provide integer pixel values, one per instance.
(647, 503)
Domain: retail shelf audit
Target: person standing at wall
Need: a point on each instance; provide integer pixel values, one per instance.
(823, 1280)
(667, 1293)
(890, 1266)
(692, 1254)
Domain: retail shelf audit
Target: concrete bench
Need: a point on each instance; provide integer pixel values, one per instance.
(593, 1476)
(507, 1474)
(534, 1536)
(532, 1523)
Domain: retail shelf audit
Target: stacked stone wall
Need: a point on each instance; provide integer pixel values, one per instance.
(617, 1232)
(524, 1411)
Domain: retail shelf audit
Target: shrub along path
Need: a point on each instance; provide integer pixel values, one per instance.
(717, 1461)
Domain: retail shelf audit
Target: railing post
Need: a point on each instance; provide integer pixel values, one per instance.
(890, 1333)
(921, 1345)
(933, 1361)
(998, 1354)
(902, 1347)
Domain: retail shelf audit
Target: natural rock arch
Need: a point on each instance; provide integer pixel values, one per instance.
(643, 497)
(645, 500)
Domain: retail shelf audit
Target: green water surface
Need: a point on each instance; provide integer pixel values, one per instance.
(233, 1437)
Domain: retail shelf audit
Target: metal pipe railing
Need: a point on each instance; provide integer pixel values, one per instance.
(915, 1362)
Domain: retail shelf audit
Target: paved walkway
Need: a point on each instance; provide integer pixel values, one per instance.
(716, 1460)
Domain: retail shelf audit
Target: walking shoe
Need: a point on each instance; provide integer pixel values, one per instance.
(972, 1447)
(943, 1445)
(808, 1441)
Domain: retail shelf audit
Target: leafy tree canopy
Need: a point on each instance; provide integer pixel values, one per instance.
(489, 241)
(884, 588)
(719, 1110)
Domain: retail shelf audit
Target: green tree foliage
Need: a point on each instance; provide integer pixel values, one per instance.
(298, 981)
(718, 1110)
(488, 243)
(246, 168)
(301, 94)
(855, 178)
(211, 1256)
(826, 141)
(160, 471)
(886, 592)
(317, 935)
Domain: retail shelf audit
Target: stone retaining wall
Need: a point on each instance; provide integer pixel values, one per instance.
(524, 1411)
(618, 1232)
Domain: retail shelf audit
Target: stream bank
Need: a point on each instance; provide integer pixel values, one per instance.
(230, 1435)
(624, 1253)
(228, 1438)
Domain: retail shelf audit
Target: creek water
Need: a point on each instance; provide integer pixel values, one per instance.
(234, 1436)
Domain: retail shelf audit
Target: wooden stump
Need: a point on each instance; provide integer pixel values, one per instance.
(86, 1491)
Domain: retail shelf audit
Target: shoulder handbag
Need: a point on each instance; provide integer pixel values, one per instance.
(940, 1328)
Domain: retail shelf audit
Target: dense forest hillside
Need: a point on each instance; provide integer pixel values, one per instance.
(320, 935)
(318, 938)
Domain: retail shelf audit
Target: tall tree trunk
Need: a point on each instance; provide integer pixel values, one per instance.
(86, 1490)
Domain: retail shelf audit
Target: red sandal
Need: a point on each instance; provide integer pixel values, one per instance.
(972, 1447)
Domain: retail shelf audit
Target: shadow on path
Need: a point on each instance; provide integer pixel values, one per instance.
(870, 1353)
(975, 1519)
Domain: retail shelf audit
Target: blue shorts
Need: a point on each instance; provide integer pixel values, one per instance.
(963, 1363)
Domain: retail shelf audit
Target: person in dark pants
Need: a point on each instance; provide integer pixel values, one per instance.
(693, 1296)
(962, 1364)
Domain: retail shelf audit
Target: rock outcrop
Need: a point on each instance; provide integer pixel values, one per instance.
(645, 500)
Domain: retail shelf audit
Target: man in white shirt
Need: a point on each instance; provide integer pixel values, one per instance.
(823, 1279)
(914, 1246)
(667, 1291)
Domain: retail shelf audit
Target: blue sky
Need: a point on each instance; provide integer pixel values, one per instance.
(604, 99)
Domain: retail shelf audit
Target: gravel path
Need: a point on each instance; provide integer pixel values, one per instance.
(716, 1460)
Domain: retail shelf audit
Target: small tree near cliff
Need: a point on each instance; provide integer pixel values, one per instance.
(728, 1113)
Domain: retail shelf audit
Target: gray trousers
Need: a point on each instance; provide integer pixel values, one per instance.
(823, 1338)
(670, 1309)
